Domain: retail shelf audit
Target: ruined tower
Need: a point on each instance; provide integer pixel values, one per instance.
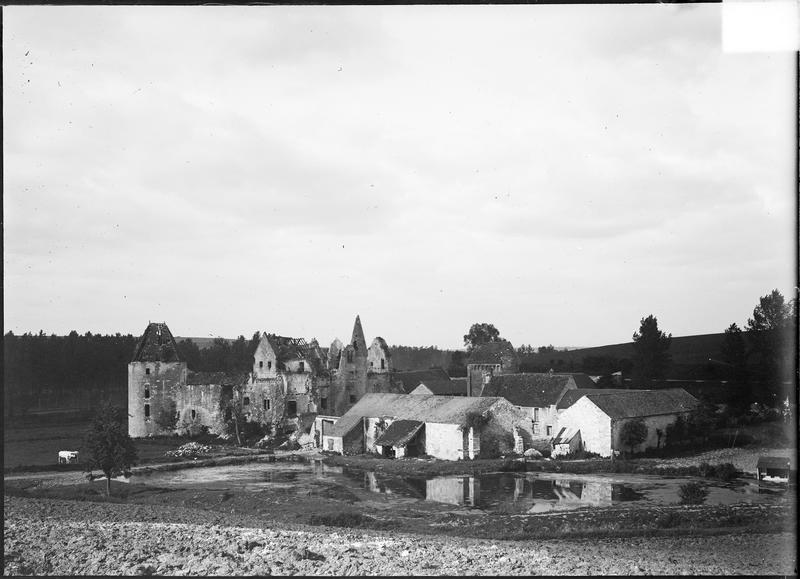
(156, 375)
(351, 375)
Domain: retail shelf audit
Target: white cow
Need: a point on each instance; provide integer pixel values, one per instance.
(67, 456)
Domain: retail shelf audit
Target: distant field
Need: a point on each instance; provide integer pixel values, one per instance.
(39, 446)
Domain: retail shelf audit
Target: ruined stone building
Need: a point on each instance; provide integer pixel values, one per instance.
(290, 378)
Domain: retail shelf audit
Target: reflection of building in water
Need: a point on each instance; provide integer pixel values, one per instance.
(464, 490)
(597, 493)
(320, 469)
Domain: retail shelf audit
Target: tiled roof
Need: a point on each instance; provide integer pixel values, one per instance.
(570, 397)
(581, 380)
(222, 378)
(635, 403)
(439, 409)
(529, 390)
(411, 380)
(156, 345)
(399, 433)
(453, 387)
(773, 462)
(492, 353)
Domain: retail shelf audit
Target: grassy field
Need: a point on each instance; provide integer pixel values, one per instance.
(37, 447)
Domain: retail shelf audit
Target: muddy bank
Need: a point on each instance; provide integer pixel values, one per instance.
(46, 537)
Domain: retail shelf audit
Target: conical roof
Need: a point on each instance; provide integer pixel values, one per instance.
(358, 341)
(156, 345)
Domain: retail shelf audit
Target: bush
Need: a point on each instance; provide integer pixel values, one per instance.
(726, 472)
(693, 493)
(669, 520)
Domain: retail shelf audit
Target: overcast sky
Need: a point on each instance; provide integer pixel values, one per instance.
(558, 171)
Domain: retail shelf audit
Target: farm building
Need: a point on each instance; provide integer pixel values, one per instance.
(537, 395)
(445, 427)
(775, 469)
(600, 415)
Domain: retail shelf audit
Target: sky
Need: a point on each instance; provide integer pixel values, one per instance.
(559, 171)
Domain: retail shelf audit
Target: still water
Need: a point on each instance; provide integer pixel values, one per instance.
(513, 493)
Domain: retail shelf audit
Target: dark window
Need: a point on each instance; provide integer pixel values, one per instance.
(302, 366)
(228, 414)
(265, 403)
(383, 364)
(349, 355)
(352, 398)
(291, 408)
(194, 414)
(323, 403)
(147, 411)
(549, 430)
(147, 391)
(261, 363)
(371, 364)
(246, 401)
(147, 371)
(269, 364)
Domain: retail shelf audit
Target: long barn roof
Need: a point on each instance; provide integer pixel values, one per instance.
(438, 409)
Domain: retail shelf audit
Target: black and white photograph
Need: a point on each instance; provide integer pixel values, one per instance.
(400, 289)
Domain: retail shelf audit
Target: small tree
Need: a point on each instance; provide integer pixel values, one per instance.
(108, 445)
(651, 351)
(167, 416)
(633, 432)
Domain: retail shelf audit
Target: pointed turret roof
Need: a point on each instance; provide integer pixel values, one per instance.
(156, 345)
(358, 341)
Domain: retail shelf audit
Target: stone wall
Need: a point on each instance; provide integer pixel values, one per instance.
(497, 436)
(199, 405)
(152, 386)
(594, 424)
(443, 441)
(653, 423)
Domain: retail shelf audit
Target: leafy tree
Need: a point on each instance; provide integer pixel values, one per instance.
(108, 444)
(771, 338)
(167, 416)
(481, 333)
(734, 353)
(651, 358)
(633, 432)
(546, 349)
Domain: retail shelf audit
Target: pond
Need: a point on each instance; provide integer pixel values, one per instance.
(513, 493)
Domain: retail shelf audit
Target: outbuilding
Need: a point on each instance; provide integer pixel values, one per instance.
(445, 427)
(774, 469)
(600, 416)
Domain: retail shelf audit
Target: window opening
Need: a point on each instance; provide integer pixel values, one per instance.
(261, 363)
(349, 355)
(147, 391)
(302, 366)
(352, 398)
(549, 430)
(291, 408)
(269, 364)
(383, 364)
(147, 411)
(246, 401)
(147, 371)
(194, 414)
(323, 403)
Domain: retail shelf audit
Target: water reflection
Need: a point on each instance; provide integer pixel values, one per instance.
(514, 493)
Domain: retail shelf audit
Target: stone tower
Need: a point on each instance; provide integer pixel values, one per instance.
(351, 376)
(156, 376)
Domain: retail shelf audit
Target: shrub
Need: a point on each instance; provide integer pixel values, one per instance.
(693, 493)
(669, 520)
(726, 472)
(705, 470)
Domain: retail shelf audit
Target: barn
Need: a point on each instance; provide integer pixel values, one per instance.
(445, 427)
(600, 415)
